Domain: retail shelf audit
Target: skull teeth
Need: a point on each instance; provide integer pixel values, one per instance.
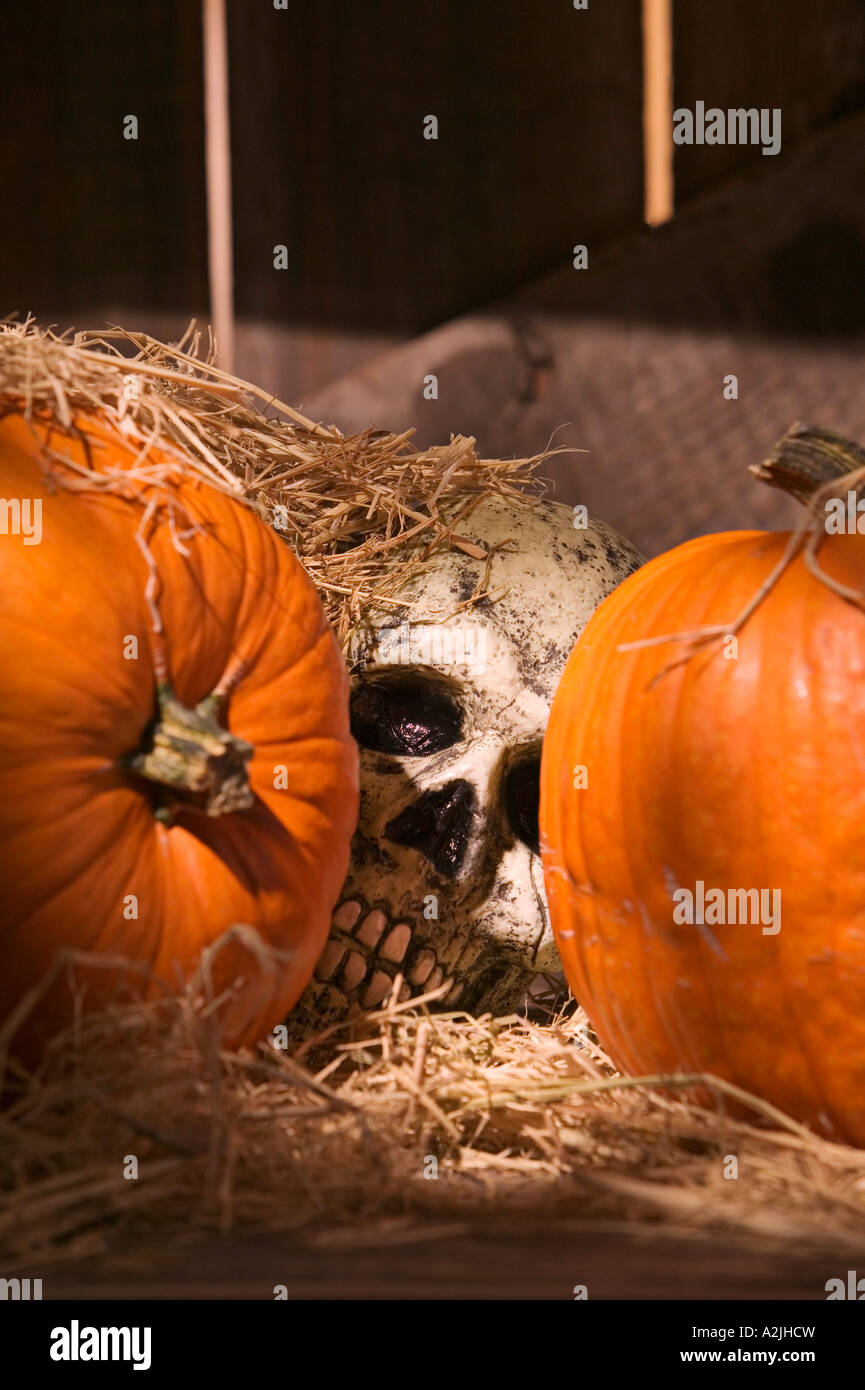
(377, 990)
(423, 964)
(347, 914)
(354, 971)
(361, 958)
(330, 960)
(371, 928)
(397, 943)
(366, 954)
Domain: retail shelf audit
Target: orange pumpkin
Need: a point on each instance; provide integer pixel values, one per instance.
(135, 820)
(741, 768)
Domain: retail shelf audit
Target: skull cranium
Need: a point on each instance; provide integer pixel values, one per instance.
(449, 707)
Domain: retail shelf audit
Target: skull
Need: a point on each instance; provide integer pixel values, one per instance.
(449, 705)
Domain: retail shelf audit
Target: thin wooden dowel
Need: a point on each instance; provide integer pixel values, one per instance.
(658, 188)
(218, 175)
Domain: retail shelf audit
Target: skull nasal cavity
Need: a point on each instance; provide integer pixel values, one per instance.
(522, 799)
(438, 825)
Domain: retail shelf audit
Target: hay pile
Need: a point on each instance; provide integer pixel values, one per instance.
(518, 1118)
(362, 513)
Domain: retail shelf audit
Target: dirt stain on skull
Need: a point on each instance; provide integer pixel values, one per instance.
(466, 585)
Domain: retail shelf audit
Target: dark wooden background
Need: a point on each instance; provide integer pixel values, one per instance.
(388, 234)
(808, 59)
(93, 221)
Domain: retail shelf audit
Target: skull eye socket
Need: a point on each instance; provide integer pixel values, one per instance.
(522, 797)
(404, 713)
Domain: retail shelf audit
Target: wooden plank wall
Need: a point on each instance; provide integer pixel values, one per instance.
(90, 219)
(388, 234)
(807, 58)
(539, 147)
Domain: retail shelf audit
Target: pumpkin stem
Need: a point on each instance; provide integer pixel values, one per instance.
(191, 753)
(808, 459)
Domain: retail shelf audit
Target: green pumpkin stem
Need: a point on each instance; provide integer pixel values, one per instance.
(808, 460)
(194, 756)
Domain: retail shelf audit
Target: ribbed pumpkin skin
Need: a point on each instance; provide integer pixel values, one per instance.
(745, 773)
(77, 836)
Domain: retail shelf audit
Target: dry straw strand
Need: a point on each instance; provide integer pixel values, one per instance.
(362, 512)
(258, 1142)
